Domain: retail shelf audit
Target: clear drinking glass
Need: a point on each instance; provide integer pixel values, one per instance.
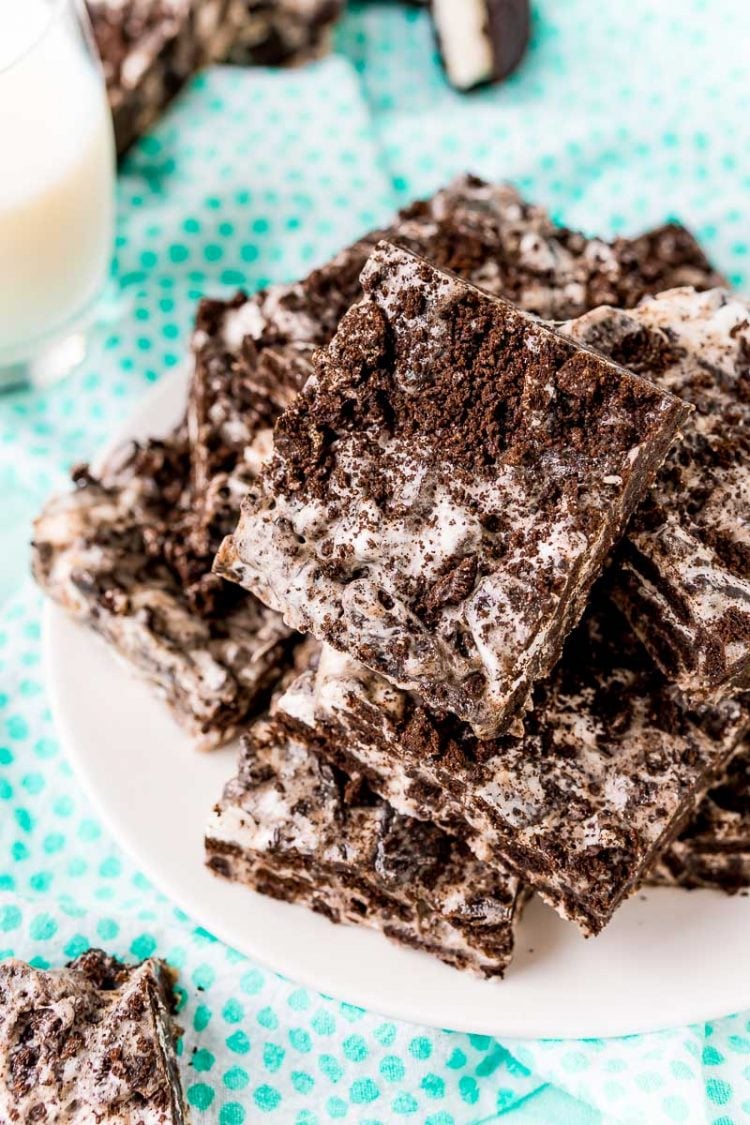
(57, 169)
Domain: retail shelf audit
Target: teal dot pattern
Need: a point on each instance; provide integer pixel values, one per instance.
(255, 177)
(611, 138)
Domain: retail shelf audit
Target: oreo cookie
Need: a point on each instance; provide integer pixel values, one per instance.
(480, 41)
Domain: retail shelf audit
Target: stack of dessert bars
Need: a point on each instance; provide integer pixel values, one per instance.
(455, 533)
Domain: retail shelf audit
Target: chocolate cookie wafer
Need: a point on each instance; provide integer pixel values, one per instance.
(714, 850)
(682, 575)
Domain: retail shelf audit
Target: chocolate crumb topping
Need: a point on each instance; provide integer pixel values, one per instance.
(445, 489)
(111, 553)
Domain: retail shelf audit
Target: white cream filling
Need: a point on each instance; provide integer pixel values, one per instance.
(464, 41)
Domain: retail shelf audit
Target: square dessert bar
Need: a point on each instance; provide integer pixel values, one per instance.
(488, 235)
(297, 829)
(446, 488)
(111, 553)
(683, 573)
(714, 850)
(92, 1042)
(253, 354)
(610, 767)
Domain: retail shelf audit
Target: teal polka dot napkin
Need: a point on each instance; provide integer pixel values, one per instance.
(622, 116)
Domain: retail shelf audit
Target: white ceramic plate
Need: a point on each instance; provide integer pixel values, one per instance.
(667, 958)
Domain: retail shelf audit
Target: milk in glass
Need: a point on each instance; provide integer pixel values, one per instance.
(56, 175)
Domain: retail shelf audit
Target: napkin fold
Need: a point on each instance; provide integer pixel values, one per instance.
(255, 177)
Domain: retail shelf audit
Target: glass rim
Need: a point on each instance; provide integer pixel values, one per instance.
(54, 7)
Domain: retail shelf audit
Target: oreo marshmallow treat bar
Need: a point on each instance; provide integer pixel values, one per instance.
(252, 355)
(683, 573)
(295, 828)
(445, 489)
(610, 766)
(60, 1031)
(112, 553)
(484, 232)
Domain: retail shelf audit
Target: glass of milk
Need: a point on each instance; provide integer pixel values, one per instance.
(56, 188)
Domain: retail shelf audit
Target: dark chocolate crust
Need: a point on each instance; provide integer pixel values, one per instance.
(297, 829)
(509, 24)
(94, 1041)
(446, 488)
(610, 767)
(683, 572)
